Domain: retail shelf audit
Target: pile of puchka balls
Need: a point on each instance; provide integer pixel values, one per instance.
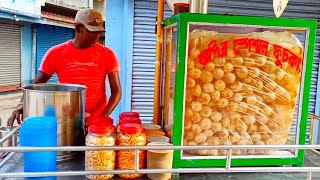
(240, 99)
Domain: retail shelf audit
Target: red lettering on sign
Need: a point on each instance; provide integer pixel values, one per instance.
(213, 50)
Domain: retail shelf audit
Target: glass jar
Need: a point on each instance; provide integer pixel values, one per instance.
(130, 135)
(100, 134)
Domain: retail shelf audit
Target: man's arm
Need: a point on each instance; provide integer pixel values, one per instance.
(18, 112)
(116, 93)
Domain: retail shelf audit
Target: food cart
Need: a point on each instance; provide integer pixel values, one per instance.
(213, 46)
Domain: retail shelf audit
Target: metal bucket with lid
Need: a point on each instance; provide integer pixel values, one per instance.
(68, 102)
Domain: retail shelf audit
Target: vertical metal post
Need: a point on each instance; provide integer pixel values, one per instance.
(228, 161)
(136, 160)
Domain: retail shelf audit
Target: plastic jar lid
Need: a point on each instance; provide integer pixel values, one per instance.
(129, 114)
(103, 119)
(126, 120)
(101, 128)
(131, 128)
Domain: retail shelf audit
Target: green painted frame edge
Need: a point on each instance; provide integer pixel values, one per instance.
(182, 22)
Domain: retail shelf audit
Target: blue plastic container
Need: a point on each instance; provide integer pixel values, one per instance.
(39, 131)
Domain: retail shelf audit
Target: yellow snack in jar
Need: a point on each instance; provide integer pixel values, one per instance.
(130, 135)
(100, 134)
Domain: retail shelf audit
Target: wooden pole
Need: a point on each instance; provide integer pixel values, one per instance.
(157, 81)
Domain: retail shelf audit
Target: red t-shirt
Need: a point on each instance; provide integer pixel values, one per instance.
(87, 67)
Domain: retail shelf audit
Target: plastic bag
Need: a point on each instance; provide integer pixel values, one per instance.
(241, 89)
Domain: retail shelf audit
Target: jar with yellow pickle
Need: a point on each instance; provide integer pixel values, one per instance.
(100, 134)
(130, 135)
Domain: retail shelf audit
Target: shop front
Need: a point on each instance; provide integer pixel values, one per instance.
(16, 42)
(144, 50)
(47, 37)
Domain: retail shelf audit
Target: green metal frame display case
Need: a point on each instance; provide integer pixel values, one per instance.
(174, 75)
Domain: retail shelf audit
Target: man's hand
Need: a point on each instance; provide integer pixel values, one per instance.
(116, 93)
(16, 115)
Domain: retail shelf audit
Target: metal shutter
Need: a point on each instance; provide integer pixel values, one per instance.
(145, 43)
(144, 52)
(47, 37)
(10, 57)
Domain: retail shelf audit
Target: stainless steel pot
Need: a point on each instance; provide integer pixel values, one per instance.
(69, 104)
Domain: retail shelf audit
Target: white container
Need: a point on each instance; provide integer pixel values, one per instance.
(161, 139)
(151, 127)
(159, 159)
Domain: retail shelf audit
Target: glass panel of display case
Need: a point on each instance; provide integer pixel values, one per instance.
(242, 88)
(168, 76)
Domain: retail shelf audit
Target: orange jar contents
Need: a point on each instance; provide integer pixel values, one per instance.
(130, 135)
(100, 134)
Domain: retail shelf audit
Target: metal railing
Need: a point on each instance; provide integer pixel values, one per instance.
(226, 169)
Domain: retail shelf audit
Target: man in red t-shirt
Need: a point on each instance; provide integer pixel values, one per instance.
(83, 61)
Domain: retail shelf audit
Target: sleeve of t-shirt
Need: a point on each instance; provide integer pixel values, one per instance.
(112, 62)
(47, 65)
